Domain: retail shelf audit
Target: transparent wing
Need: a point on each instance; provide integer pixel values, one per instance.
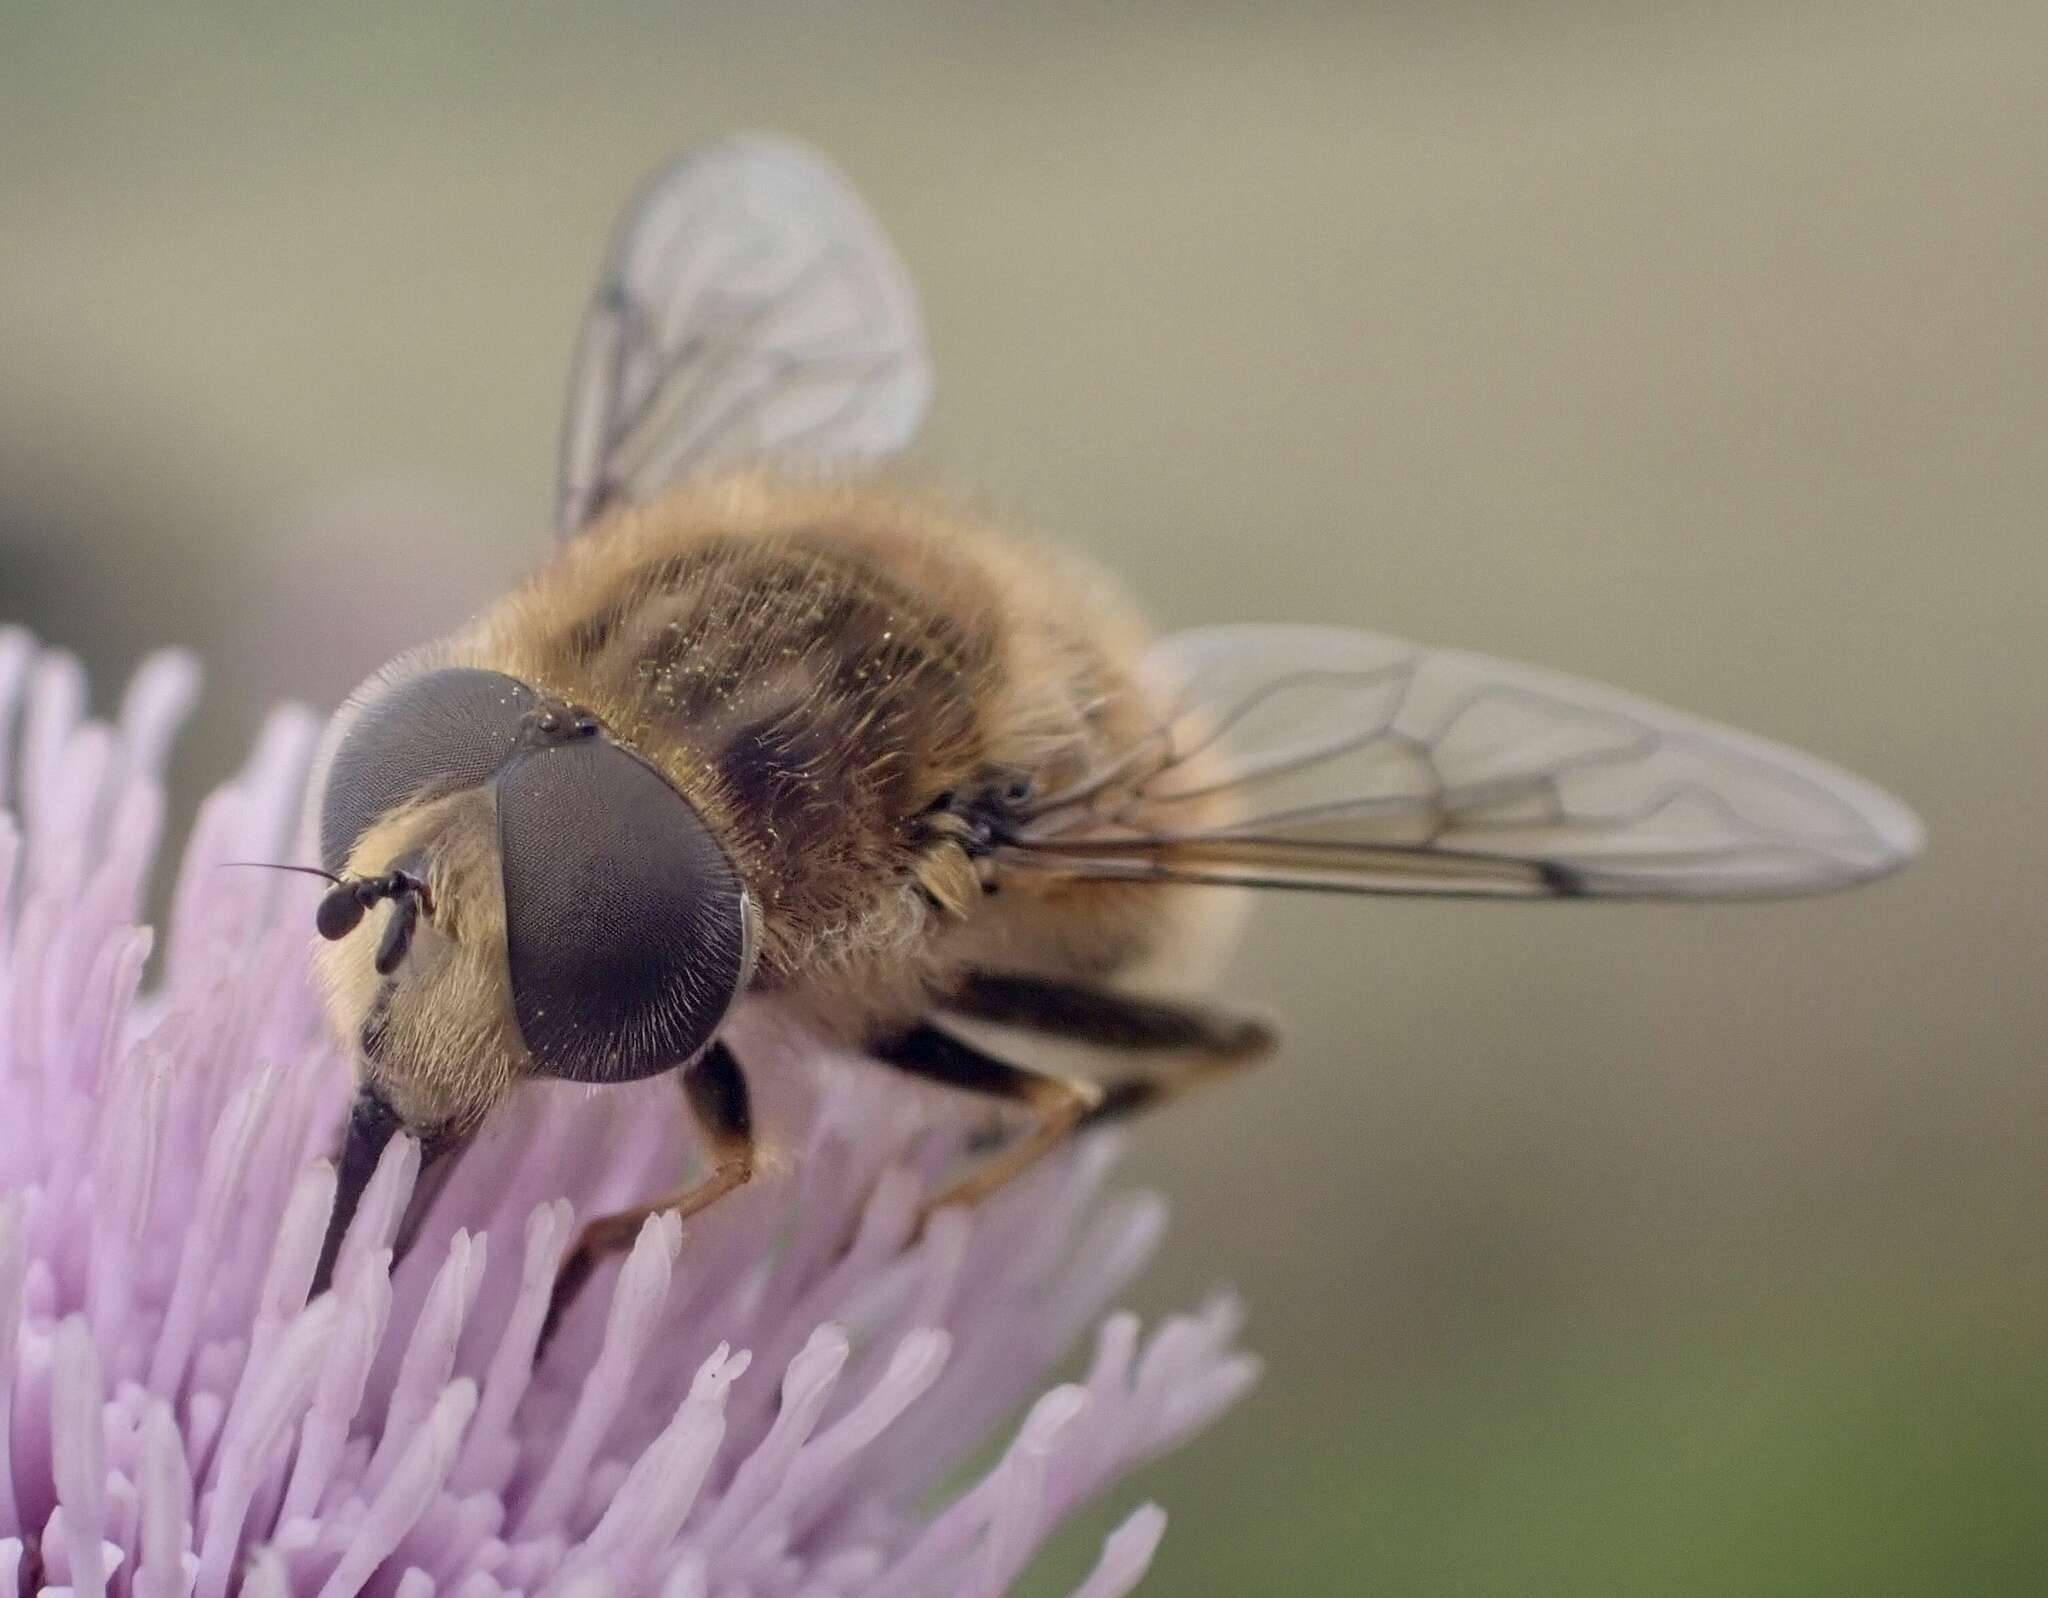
(1351, 762)
(750, 306)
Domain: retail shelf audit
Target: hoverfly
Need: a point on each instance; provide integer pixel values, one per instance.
(771, 728)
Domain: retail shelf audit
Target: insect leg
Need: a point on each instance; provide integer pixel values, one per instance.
(1200, 1043)
(716, 1092)
(1060, 1103)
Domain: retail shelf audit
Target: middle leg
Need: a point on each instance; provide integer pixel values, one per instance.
(1190, 1044)
(1059, 1103)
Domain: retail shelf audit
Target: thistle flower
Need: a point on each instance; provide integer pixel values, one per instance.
(769, 1407)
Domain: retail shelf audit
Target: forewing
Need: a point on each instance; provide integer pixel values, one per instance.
(750, 307)
(1353, 762)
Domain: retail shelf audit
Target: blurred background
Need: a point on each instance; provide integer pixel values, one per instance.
(1700, 349)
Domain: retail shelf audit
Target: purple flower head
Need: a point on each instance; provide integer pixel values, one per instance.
(769, 1407)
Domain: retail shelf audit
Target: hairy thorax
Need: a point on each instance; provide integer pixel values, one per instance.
(819, 669)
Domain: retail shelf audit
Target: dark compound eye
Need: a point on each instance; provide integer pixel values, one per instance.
(625, 923)
(449, 729)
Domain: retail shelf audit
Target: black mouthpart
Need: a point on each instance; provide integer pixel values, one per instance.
(372, 1123)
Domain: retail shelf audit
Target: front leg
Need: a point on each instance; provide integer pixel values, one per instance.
(715, 1091)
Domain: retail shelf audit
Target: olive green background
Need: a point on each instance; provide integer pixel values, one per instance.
(1593, 1250)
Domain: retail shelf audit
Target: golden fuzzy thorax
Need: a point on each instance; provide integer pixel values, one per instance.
(811, 665)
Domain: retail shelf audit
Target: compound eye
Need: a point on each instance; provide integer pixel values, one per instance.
(626, 929)
(445, 730)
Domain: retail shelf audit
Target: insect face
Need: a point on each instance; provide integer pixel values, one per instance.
(519, 894)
